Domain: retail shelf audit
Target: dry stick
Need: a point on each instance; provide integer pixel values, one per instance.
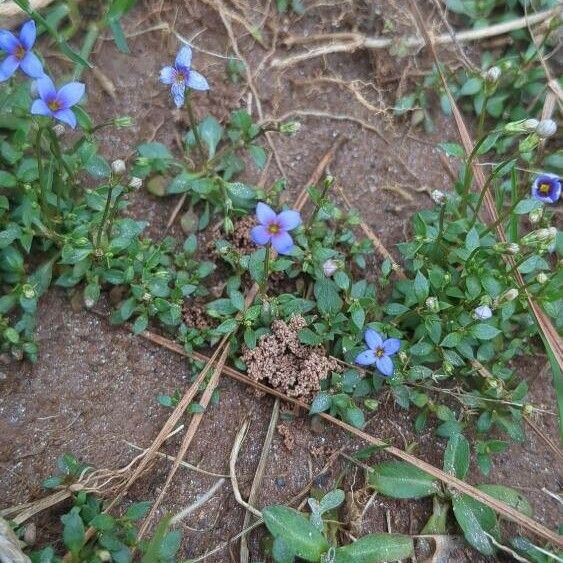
(549, 443)
(350, 42)
(503, 509)
(544, 322)
(258, 476)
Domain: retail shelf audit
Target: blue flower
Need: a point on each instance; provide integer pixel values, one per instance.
(274, 227)
(57, 103)
(379, 352)
(547, 188)
(18, 52)
(182, 76)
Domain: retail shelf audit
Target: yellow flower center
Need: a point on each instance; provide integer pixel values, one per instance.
(20, 53)
(379, 352)
(273, 229)
(54, 104)
(544, 188)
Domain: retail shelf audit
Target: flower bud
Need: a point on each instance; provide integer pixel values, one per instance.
(546, 128)
(371, 404)
(147, 297)
(118, 167)
(542, 278)
(135, 183)
(529, 143)
(290, 128)
(28, 291)
(89, 302)
(493, 74)
(432, 304)
(540, 235)
(123, 121)
(403, 357)
(528, 409)
(509, 295)
(535, 215)
(59, 130)
(329, 268)
(506, 248)
(530, 125)
(104, 555)
(482, 313)
(438, 197)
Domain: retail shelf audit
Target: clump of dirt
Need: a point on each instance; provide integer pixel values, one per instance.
(288, 365)
(239, 237)
(195, 316)
(287, 435)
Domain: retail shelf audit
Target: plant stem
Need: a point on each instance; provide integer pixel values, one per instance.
(104, 216)
(193, 125)
(57, 153)
(264, 284)
(113, 214)
(318, 205)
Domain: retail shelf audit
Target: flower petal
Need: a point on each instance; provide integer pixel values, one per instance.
(8, 41)
(196, 81)
(184, 57)
(391, 346)
(167, 75)
(365, 358)
(46, 88)
(260, 235)
(289, 219)
(265, 213)
(282, 242)
(28, 33)
(373, 339)
(70, 94)
(66, 116)
(178, 91)
(8, 66)
(384, 365)
(32, 66)
(39, 107)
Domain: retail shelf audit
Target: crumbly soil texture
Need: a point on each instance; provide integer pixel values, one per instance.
(94, 390)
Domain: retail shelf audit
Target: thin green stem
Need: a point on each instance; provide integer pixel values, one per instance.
(104, 216)
(193, 125)
(57, 153)
(113, 214)
(264, 284)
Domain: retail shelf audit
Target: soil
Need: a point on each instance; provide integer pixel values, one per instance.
(95, 386)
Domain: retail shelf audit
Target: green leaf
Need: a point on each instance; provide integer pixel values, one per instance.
(301, 537)
(376, 548)
(421, 349)
(456, 456)
(210, 132)
(526, 205)
(259, 155)
(452, 149)
(227, 326)
(241, 191)
(7, 180)
(472, 240)
(509, 496)
(321, 402)
(398, 479)
(118, 36)
(331, 500)
(471, 87)
(395, 309)
(484, 331)
(451, 340)
(73, 531)
(98, 167)
(474, 519)
(328, 300)
(103, 522)
(138, 510)
(421, 286)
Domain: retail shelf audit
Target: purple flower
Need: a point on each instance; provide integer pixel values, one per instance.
(273, 228)
(57, 104)
(18, 52)
(181, 75)
(378, 352)
(547, 188)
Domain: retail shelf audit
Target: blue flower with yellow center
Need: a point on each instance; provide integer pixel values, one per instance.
(547, 188)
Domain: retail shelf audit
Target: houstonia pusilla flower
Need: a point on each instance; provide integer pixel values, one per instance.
(482, 313)
(57, 103)
(182, 76)
(18, 52)
(379, 352)
(547, 188)
(274, 227)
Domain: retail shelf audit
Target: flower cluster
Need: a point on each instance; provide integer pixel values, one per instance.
(19, 55)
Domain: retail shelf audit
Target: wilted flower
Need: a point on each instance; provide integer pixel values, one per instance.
(274, 227)
(530, 125)
(542, 278)
(535, 215)
(493, 74)
(57, 104)
(379, 352)
(329, 268)
(432, 304)
(547, 188)
(546, 128)
(135, 183)
(482, 313)
(508, 295)
(118, 167)
(438, 197)
(540, 235)
(59, 129)
(18, 52)
(182, 76)
(506, 248)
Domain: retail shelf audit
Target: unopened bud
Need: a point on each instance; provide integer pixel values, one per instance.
(28, 291)
(530, 125)
(529, 143)
(448, 368)
(329, 268)
(403, 357)
(123, 121)
(542, 278)
(103, 555)
(546, 128)
(59, 130)
(432, 304)
(528, 409)
(135, 183)
(290, 127)
(371, 404)
(482, 313)
(509, 295)
(506, 248)
(89, 302)
(438, 197)
(540, 235)
(493, 74)
(535, 215)
(147, 296)
(118, 167)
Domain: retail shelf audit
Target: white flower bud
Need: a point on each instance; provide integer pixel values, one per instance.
(542, 278)
(59, 130)
(535, 215)
(89, 302)
(493, 74)
(28, 291)
(509, 295)
(147, 297)
(507, 248)
(118, 167)
(546, 128)
(438, 197)
(541, 235)
(432, 304)
(482, 313)
(290, 128)
(135, 183)
(530, 125)
(329, 268)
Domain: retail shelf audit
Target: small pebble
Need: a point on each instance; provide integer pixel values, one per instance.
(280, 482)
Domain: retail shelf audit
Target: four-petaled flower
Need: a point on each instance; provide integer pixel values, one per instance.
(274, 228)
(18, 52)
(379, 352)
(57, 103)
(182, 76)
(547, 188)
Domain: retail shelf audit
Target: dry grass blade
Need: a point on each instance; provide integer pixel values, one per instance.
(546, 327)
(500, 507)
